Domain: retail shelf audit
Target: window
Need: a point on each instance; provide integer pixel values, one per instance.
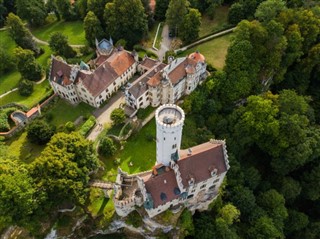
(203, 186)
(212, 187)
(114, 83)
(107, 90)
(174, 146)
(83, 89)
(100, 96)
(217, 180)
(190, 196)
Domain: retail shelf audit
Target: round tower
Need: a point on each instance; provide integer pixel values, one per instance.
(169, 120)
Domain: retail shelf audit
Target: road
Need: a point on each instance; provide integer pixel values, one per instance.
(165, 43)
(103, 114)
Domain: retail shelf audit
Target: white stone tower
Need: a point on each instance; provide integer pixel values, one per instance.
(169, 120)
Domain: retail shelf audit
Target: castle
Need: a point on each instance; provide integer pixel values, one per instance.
(165, 84)
(97, 81)
(180, 178)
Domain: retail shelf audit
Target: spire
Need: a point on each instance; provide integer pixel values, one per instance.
(111, 41)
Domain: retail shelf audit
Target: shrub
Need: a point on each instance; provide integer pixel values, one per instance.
(87, 126)
(70, 126)
(118, 116)
(4, 123)
(25, 87)
(138, 48)
(40, 132)
(107, 147)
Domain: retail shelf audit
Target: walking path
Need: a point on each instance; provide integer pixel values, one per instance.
(205, 39)
(103, 114)
(46, 43)
(15, 89)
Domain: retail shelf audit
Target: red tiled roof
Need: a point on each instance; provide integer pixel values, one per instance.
(163, 183)
(197, 57)
(120, 61)
(108, 72)
(102, 77)
(180, 71)
(60, 69)
(148, 63)
(204, 158)
(155, 80)
(100, 59)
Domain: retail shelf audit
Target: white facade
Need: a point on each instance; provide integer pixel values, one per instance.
(169, 120)
(180, 179)
(180, 77)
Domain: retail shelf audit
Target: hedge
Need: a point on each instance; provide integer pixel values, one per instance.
(87, 126)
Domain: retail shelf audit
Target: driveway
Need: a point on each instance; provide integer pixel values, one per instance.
(165, 43)
(103, 114)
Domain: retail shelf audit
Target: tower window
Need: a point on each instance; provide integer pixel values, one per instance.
(164, 138)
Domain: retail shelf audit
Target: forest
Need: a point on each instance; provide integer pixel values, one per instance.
(265, 103)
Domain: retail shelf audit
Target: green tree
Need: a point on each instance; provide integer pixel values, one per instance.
(236, 13)
(290, 188)
(274, 205)
(264, 228)
(107, 147)
(7, 63)
(25, 87)
(27, 65)
(59, 44)
(64, 9)
(118, 116)
(20, 34)
(92, 28)
(82, 6)
(229, 213)
(125, 19)
(175, 14)
(97, 7)
(40, 132)
(34, 11)
(62, 170)
(295, 222)
(269, 9)
(310, 183)
(186, 224)
(161, 9)
(19, 198)
(191, 26)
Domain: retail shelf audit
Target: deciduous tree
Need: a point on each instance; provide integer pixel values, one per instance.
(20, 34)
(191, 26)
(18, 194)
(59, 44)
(62, 170)
(92, 28)
(34, 11)
(40, 132)
(175, 14)
(118, 116)
(107, 147)
(27, 65)
(125, 19)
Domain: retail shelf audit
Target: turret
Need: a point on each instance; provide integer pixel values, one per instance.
(169, 120)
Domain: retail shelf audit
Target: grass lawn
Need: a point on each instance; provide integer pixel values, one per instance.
(220, 19)
(6, 42)
(9, 81)
(73, 30)
(40, 91)
(159, 37)
(215, 50)
(151, 35)
(19, 146)
(62, 112)
(138, 150)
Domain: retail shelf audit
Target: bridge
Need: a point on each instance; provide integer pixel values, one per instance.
(101, 184)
